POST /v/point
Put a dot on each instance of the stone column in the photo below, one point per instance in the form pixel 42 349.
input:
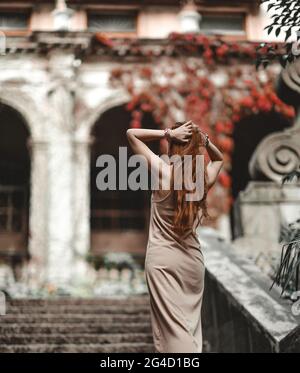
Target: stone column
pixel 60 254
pixel 38 218
pixel 61 209
pixel 81 206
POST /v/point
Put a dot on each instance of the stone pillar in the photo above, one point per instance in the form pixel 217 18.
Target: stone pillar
pixel 61 209
pixel 81 206
pixel 38 218
pixel 60 253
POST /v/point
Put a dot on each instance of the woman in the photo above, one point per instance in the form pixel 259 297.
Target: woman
pixel 174 263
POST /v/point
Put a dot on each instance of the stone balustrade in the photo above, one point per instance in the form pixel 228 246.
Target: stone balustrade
pixel 240 314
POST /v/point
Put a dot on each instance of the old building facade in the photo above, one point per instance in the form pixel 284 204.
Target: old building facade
pixel 57 105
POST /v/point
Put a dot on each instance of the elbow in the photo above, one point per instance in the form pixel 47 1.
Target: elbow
pixel 131 136
pixel 129 133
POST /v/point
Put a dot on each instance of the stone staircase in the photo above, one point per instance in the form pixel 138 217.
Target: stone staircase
pixel 77 325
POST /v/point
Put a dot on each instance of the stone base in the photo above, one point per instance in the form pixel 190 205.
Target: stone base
pixel 263 207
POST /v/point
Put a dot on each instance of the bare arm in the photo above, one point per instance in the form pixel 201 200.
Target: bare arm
pixel 215 164
pixel 145 134
pixel 138 136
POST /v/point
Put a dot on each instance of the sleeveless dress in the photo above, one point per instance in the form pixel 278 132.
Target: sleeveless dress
pixel 174 270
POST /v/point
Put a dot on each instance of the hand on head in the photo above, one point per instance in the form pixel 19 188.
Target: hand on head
pixel 183 133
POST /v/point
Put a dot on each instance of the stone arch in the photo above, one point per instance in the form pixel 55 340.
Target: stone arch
pixel 117 98
pixel 34 121
pixel 14 186
pixel 27 108
pixel 119 217
pixel 82 152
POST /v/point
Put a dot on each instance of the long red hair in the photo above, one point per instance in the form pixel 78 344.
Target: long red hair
pixel 186 213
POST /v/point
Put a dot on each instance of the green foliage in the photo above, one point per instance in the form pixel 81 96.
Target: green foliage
pixel 288 273
pixel 285 20
pixel 292 176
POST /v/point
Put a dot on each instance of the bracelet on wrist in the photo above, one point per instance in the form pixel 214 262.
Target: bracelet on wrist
pixel 168 134
pixel 206 140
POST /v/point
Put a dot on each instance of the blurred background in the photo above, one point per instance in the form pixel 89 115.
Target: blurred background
pixel 74 76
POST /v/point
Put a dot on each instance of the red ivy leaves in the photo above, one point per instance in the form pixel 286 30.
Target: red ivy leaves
pixel 104 40
pixel 262 99
pixel 196 92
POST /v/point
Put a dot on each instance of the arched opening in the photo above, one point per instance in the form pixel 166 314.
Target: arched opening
pixel 119 218
pixel 246 136
pixel 14 185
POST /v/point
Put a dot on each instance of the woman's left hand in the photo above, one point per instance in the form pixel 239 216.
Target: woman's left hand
pixel 183 133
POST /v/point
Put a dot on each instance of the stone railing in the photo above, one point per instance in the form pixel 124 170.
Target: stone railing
pixel 240 314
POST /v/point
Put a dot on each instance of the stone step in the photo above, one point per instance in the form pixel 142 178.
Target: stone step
pixel 91 309
pixel 97 325
pixel 72 318
pixel 69 348
pixel 142 300
pixel 70 328
pixel 83 338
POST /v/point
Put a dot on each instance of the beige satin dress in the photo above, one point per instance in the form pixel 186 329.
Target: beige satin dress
pixel 174 269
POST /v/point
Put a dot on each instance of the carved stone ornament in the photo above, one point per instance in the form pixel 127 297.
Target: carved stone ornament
pixel 279 153
pixel 276 155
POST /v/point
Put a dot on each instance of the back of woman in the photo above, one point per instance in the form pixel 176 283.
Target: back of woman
pixel 174 268
pixel 161 228
pixel 174 264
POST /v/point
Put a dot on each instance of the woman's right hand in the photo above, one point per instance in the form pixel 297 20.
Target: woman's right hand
pixel 183 133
